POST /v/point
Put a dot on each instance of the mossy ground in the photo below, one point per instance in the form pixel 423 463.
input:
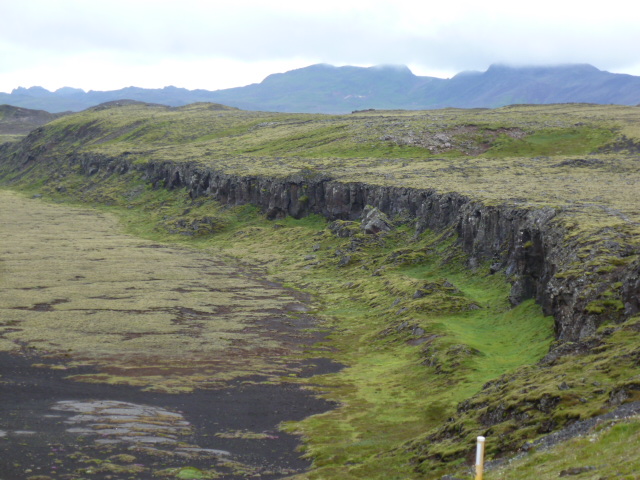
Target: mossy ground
pixel 419 333
pixel 73 284
pixel 578 158
pixel 608 451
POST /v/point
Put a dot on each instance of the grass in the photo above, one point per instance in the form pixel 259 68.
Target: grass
pixel 578 158
pixel 435 354
pixel 393 344
pixel 10 138
pixel 608 451
pixel 569 141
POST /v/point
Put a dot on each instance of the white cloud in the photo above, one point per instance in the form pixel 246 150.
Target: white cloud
pixel 101 44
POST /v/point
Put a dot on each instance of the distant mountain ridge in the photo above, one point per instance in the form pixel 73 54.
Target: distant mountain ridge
pixel 325 88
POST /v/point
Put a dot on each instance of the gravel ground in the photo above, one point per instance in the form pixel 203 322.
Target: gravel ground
pixel 51 427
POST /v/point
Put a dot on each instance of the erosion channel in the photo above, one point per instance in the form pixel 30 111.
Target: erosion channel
pixel 127 358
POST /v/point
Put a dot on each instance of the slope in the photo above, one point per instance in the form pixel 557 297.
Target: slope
pixel 493 218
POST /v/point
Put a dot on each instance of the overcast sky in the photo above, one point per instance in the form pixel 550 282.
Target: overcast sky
pixel 107 45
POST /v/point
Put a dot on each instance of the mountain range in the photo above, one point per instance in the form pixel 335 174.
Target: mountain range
pixel 325 88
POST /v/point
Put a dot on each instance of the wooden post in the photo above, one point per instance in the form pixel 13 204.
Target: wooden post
pixel 480 458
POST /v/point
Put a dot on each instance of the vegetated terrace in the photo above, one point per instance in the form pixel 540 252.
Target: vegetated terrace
pixel 574 156
pixel 579 159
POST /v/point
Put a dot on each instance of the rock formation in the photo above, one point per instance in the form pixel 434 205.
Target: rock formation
pixel 528 244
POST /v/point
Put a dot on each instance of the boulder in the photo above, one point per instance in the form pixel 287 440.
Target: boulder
pixel 374 221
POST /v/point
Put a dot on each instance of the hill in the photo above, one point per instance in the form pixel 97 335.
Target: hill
pixel 327 89
pixel 16 122
pixel 478 271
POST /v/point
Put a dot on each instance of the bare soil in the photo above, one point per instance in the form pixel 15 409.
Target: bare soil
pixel 38 439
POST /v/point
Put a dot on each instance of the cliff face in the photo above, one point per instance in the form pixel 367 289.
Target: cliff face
pixel 530 245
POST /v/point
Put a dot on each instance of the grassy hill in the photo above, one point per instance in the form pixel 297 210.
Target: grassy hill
pixel 436 348
pixel 510 153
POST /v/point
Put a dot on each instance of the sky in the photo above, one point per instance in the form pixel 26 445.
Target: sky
pixel 107 45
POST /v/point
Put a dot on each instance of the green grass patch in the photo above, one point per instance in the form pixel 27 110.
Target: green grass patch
pixel 569 141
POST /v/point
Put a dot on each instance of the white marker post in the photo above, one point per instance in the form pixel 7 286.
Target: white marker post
pixel 480 458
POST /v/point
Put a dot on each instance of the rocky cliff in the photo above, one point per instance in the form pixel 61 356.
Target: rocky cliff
pixel 530 245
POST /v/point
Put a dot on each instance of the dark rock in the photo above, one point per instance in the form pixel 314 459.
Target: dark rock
pixel 374 221
pixel 546 426
pixel 622 393
pixel 494 268
pixel 576 471
pixel 502 412
pixel 343 229
pixel 522 289
pixel 534 250
pixel 571 348
pixel 426 289
pixel 345 260
pixel 527 446
pixel 417 331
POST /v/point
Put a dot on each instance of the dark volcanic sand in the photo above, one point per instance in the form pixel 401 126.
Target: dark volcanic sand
pixel 35 441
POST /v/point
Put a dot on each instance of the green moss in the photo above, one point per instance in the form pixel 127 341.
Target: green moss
pixel 520 406
pixel 73 298
pixel 187 473
pixel 602 306
pixel 435 353
pixel 431 337
pixel 605 452
pixel 559 141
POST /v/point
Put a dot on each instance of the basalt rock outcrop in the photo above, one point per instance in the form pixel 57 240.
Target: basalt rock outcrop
pixel 529 244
